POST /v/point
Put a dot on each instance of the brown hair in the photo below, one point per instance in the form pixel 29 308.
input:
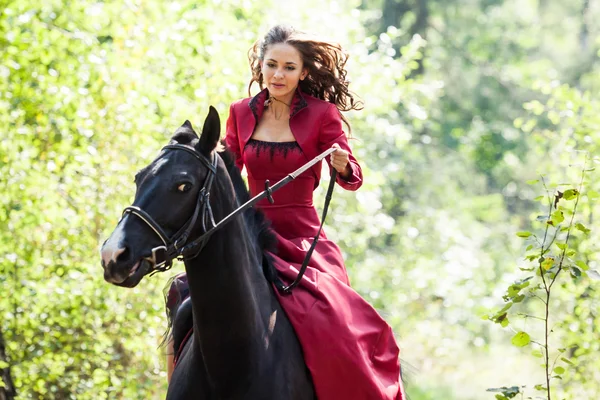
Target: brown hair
pixel 323 60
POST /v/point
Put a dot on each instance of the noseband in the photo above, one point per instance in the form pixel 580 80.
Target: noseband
pixel 162 256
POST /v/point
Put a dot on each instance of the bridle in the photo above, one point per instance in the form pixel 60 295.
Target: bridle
pixel 162 256
pixel 177 246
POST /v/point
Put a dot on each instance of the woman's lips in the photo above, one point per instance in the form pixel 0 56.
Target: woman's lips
pixel 277 85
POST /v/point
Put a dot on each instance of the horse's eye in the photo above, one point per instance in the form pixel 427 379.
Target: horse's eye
pixel 184 187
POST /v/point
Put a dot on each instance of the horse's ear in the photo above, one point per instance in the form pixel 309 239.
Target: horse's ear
pixel 210 132
pixel 185 134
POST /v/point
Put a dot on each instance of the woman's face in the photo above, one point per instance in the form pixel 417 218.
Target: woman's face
pixel 282 70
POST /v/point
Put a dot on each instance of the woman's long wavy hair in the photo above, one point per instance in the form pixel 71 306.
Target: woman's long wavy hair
pixel 324 61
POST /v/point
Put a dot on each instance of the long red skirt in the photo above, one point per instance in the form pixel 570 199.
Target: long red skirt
pixel 348 348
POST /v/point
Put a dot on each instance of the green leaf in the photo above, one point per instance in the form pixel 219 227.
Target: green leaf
pixel 582 265
pixel 547 263
pixel 532 181
pixel 507 392
pixel 559 370
pixel 527 269
pixel 519 298
pixel 505 308
pixel 567 360
pixel 524 234
pixel 537 353
pixel 540 388
pixel 562 246
pixel 557 217
pixel 582 228
pixel 521 339
pixel 593 195
pixel 575 272
pixel 570 194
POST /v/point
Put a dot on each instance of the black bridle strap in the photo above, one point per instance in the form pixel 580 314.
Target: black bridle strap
pixel 211 166
pixel 288 289
pixel 143 215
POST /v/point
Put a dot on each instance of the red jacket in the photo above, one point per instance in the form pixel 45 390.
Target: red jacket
pixel 316 124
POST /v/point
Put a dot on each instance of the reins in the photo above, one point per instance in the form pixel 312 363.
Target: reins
pixel 177 246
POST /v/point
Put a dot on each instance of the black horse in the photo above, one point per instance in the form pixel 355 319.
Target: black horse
pixel 242 346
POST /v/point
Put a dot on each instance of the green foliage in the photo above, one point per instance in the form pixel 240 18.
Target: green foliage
pixel 559 248
pixel 505 393
pixel 465 106
pixel 77 77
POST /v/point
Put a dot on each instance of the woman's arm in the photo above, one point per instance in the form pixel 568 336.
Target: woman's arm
pixel 332 134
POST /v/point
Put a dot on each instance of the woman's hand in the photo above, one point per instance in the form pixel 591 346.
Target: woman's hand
pixel 341 161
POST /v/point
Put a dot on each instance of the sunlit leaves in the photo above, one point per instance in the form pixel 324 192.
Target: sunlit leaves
pixel 92 90
pixel 570 194
pixel 579 226
pixel 88 105
pixel 521 339
pixel 556 218
pixel 505 393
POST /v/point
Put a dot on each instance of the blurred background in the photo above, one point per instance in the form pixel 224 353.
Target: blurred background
pixel 466 103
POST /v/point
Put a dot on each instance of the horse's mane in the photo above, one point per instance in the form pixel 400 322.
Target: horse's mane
pixel 258 225
pixel 259 228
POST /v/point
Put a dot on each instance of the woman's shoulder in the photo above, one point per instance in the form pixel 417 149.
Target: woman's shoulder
pixel 241 102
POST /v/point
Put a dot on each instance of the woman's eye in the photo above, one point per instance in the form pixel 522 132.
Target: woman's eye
pixel 184 187
pixel 290 68
pixel 271 65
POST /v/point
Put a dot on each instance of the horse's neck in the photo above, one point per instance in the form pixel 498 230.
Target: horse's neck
pixel 231 305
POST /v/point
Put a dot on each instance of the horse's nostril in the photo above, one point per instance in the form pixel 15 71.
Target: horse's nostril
pixel 124 255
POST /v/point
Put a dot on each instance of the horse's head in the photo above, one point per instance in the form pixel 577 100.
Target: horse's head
pixel 170 202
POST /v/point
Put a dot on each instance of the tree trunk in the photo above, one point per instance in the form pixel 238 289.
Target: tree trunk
pixel 7 390
pixel 584 33
pixel 420 27
pixel 392 13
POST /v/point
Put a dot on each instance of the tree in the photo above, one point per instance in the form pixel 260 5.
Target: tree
pixel 7 389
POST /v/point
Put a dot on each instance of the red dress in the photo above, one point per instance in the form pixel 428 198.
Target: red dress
pixel 348 348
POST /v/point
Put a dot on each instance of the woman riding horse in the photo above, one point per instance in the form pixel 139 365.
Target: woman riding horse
pixel 348 348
